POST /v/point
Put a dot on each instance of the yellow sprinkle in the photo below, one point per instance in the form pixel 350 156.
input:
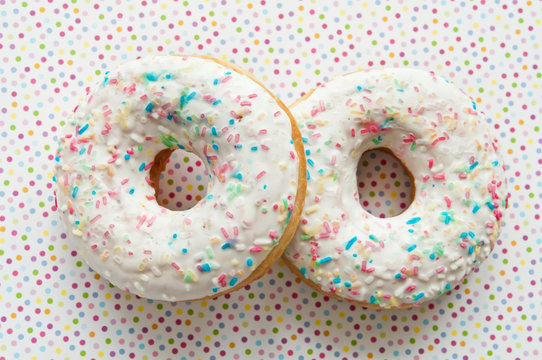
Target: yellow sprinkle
pixel 77 232
pixel 312 209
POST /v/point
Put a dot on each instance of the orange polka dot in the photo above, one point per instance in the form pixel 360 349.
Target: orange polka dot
pixel 181 22
pixel 294 337
pixel 47 311
pixel 369 355
pixel 14 104
pixel 326 333
pixel 385 18
pixel 518 31
pixel 513 242
pixel 30 132
pixel 154 326
pixel 478 100
pixel 502 273
pixel 42 9
pixel 96 277
pixel 91 334
pixel 392 54
pixel 213 23
pixel 13 315
pixel 119 28
pixel 462 343
pixel 509 309
pixel 249 6
pixel 188 322
pixel 53 258
pixel 25 189
pixel 467 291
pixel 18 257
pixel 165 201
pixel 232 345
pixel 435 21
pixel 256 42
pixel 301 7
pixel 451 48
pixel 76 11
pixel 36 66
pixel 70 62
pixel 2 228
pixel 316 36
pixel 430 348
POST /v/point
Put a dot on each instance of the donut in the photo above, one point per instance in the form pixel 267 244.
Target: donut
pixel 459 192
pixel 118 141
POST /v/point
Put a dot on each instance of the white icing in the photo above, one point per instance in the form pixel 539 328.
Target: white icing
pixel 394 109
pixel 238 130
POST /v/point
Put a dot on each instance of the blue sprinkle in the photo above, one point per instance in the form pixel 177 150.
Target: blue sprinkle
pixel 311 162
pixel 231 122
pixel 473 105
pixel 305 140
pixel 169 116
pixel 372 299
pixel 413 220
pixel 308 175
pixel 347 284
pixel 303 271
pixel 254 148
pixel 233 281
pixel 83 129
pixel 432 256
pixel 475 164
pixel 205 267
pixel 326 260
pixel 239 176
pixel 210 196
pixel 398 276
pixel 411 247
pixel 307 152
pixel 217 102
pixel 495 163
pixel 152 76
pixel 490 205
pixel 476 208
pixel 226 246
pixel 411 231
pixel 418 297
pixel 184 251
pixel 213 131
pixel 215 146
pixel 169 76
pixel 249 262
pixel 148 108
pixel 132 191
pixel 359 88
pixel 447 287
pixel 463 235
pixel 215 290
pixel 216 81
pixel 350 243
pixel 142 167
pixel 336 280
pixel 82 151
pixel 471 234
pixel 74 192
pixel 471 250
pixel 126 156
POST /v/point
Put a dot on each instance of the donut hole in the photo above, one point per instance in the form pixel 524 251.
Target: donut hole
pixel 385 187
pixel 183 182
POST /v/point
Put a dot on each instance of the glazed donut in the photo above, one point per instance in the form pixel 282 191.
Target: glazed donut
pixel 116 144
pixel 458 199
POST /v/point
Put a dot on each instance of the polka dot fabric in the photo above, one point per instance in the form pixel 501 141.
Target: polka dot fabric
pixel 55 307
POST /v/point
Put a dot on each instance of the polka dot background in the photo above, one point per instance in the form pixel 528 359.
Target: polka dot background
pixel 55 307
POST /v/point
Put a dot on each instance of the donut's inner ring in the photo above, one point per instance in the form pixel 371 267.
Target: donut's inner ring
pixel 159 166
pixel 409 200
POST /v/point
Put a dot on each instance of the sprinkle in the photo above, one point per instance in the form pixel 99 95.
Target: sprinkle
pixel 204 267
pixel 411 287
pixel 142 167
pixel 411 247
pixel 149 107
pixel 490 205
pixel 325 260
pixel 124 181
pixel 217 102
pixel 413 220
pixel 448 201
pixel 418 297
pixel 255 249
pixel 440 269
pixel 475 164
pixel 83 129
pixel 440 176
pixel 476 208
pixel 74 192
pixel 260 175
pixel 350 243
pixel 96 218
pixel 233 281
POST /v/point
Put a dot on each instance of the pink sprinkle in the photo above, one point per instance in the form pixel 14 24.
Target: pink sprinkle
pixel 440 176
pixel 148 180
pixel 252 96
pixel 104 200
pixel 314 112
pixel 348 102
pixel 96 218
pixel 141 221
pixel 237 136
pixel 370 270
pixel 467 195
pixel 229 214
pixel 151 221
pixel 415 269
pixel 260 175
pixel 187 221
pixel 147 252
pixel 411 287
pixel 425 178
pixel 411 138
pixel 235 231
pixel 143 97
pixel 333 160
pixel 439 269
pixel 264 147
pixel 403 270
pixel 225 233
pixel 273 234
pixel 462 175
pixel 112 193
pixel 108 112
pixel 230 138
pixel 324 235
pixel 203 131
pixel 448 201
pixel 355 292
pixel 327 227
pixel 364 265
pixel 321 106
pixel 255 249
pixel 387 296
pixel 66 179
pixel 124 181
pixel 175 266
pixel 275 207
pixel 277 114
pixel 316 199
pixel 224 130
pixel 226 79
pixel 235 115
pixel 245 103
pixel 353 132
pixel 430 161
pixel 97 204
pixel 221 278
pixel 262 132
pixel 89 149
pixel 463 245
